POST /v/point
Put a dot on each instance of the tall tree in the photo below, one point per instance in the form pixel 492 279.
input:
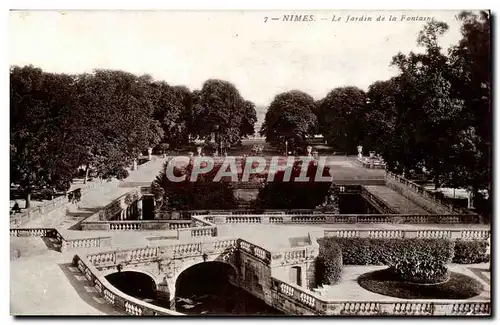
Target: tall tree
pixel 341 116
pixel 220 113
pixel 290 118
pixel 115 120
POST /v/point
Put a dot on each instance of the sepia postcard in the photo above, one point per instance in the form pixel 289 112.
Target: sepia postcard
pixel 243 163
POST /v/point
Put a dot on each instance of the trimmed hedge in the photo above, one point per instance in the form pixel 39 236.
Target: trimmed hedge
pixel 471 251
pixel 328 263
pixel 418 260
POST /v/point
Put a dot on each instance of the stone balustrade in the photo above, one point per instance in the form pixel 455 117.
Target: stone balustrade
pixel 254 250
pixel 463 234
pixel 426 194
pixel 66 243
pixel 292 256
pixel 78 243
pixel 305 302
pixel 200 228
pixel 33 232
pixel 378 202
pixel 116 298
pixel 113 209
pixel 122 225
pixel 326 218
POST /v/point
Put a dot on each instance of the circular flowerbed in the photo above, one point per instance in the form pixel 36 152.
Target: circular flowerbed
pixel 386 282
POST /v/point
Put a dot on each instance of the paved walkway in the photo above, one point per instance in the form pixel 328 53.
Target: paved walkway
pixel 49 285
pixel 395 200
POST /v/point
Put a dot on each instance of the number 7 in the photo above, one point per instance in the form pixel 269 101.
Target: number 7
pixel 265 19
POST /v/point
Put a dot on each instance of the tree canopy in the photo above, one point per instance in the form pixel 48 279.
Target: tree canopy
pixel 291 118
pixel 105 119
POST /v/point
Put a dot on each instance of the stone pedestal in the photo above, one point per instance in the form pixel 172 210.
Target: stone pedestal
pixel 134 165
pixel 150 152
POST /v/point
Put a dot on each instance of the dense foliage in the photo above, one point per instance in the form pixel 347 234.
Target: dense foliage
pixel 106 119
pixel 293 194
pixel 204 193
pixel 434 116
pixel 328 263
pixel 417 260
pixel 290 118
pixel 471 251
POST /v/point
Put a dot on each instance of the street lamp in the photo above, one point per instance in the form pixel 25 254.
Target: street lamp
pixel 286 148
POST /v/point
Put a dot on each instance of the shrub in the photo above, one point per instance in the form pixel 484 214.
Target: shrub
pixel 469 252
pixel 329 263
pixel 413 259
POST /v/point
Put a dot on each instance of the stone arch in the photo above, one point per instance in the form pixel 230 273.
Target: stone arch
pixel 156 277
pixel 136 283
pixel 233 273
pixel 187 266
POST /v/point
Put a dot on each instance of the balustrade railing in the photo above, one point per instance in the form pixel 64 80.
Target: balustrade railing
pixel 326 218
pixel 77 243
pixel 116 298
pixel 311 303
pixel 33 232
pixel 65 242
pixel 381 204
pixel 427 194
pixel 257 251
pixel 464 234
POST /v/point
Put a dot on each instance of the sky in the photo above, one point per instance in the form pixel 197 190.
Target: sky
pixel 262 58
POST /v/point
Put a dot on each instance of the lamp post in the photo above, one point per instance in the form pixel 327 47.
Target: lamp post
pixel 286 148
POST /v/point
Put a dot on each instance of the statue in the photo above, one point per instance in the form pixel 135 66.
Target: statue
pixel 331 204
pixel 309 150
pixel 360 152
pixel 198 151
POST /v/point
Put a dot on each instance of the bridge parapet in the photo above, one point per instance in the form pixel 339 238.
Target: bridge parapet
pixel 115 297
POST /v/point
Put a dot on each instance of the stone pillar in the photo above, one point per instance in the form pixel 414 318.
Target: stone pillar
pixel 163 294
pixel 134 165
pixel 172 299
pixel 150 152
pixel 139 209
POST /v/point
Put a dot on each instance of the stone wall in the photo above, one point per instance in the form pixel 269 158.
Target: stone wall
pixel 255 277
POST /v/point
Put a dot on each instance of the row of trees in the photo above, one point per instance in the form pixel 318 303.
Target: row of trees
pixel 435 114
pixel 105 119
